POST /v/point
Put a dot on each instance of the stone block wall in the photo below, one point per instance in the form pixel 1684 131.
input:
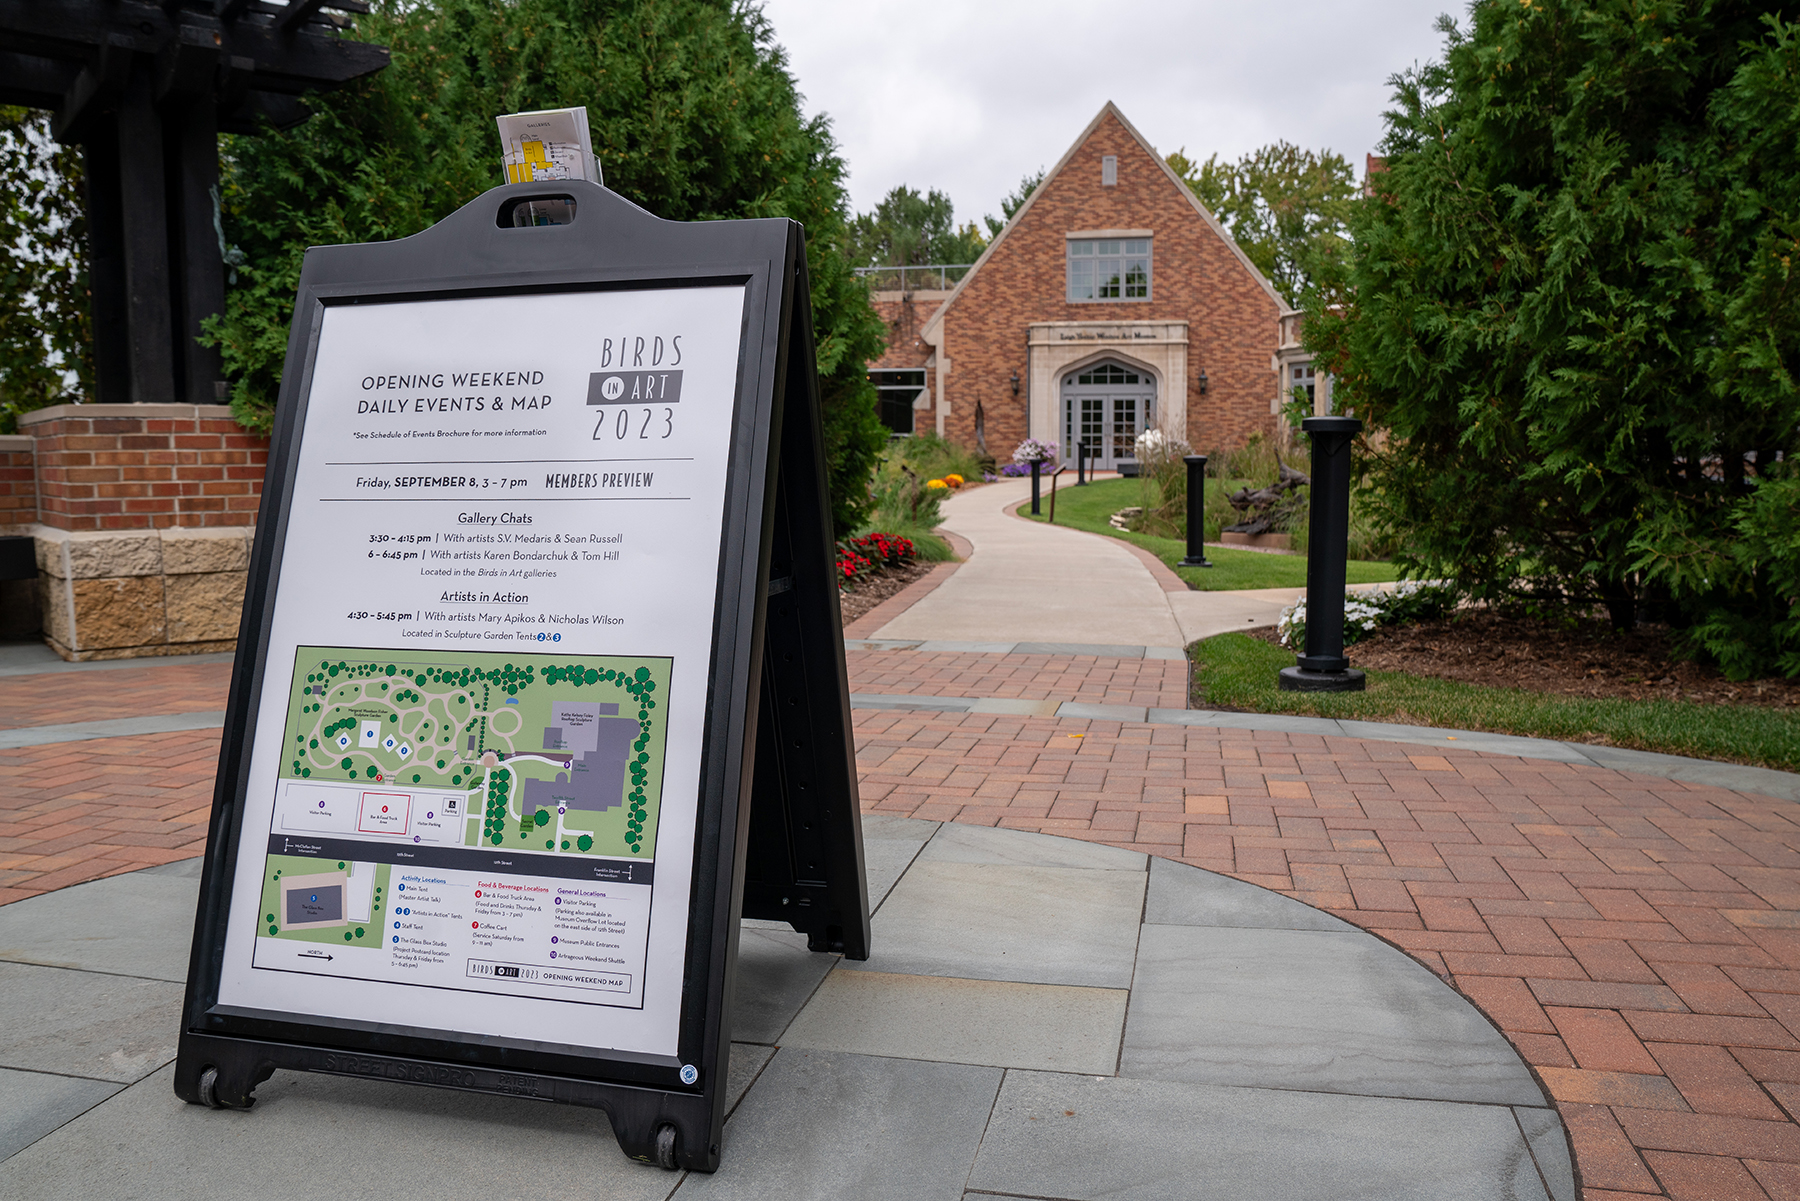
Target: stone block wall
pixel 143 517
pixel 147 592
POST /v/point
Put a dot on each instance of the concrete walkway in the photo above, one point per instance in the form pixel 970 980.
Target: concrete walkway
pixel 1109 1026
pixel 1036 583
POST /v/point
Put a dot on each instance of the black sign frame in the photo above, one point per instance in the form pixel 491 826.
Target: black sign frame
pixel 777 712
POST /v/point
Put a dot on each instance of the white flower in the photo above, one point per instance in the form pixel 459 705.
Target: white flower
pixel 1153 447
pixel 1292 625
pixel 1363 611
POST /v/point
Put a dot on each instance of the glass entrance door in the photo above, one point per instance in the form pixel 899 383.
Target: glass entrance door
pixel 1105 408
pixel 1125 429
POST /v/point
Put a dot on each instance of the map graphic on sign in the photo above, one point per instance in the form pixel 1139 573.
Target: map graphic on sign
pixel 558 754
pixel 545 754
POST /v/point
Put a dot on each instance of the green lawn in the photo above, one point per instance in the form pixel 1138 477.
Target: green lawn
pixel 1087 508
pixel 1234 671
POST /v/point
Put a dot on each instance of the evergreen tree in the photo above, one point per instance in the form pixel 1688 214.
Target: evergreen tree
pixel 1571 309
pixel 44 321
pixel 694 115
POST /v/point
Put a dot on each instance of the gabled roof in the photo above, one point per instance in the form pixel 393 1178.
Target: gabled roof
pixel 935 322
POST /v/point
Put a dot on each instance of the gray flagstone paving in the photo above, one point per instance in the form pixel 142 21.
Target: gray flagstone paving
pixel 1042 1018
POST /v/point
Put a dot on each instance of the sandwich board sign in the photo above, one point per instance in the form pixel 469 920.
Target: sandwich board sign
pixel 540 684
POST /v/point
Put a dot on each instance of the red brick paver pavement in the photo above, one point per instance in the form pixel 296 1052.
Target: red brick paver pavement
pixel 75 811
pixel 1638 939
pixel 1162 683
pixel 168 686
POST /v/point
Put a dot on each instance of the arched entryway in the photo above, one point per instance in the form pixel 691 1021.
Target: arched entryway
pixel 1105 406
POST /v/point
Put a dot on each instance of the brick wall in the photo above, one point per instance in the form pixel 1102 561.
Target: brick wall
pixel 1195 276
pixel 144 467
pixel 18 483
pixel 905 314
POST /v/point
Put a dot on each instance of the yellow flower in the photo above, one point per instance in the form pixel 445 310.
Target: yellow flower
pixel 954 480
pixel 936 485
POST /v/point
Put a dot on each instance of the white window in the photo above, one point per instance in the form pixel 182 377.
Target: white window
pixel 1109 269
pixel 1303 383
pixel 1109 170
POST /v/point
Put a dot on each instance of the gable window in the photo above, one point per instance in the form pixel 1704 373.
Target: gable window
pixel 1109 269
pixel 1109 170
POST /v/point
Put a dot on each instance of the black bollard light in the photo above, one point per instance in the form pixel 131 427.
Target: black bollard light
pixel 1035 465
pixel 1323 667
pixel 1196 506
pixel 1081 462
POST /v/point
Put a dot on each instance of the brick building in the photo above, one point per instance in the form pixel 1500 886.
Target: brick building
pixel 1111 302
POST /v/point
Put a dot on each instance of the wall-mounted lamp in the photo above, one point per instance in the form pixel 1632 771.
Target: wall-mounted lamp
pixel 1015 383
pixel 1201 381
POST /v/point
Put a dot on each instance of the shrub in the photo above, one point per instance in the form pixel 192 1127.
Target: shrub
pixel 850 565
pixel 1570 312
pixel 1162 484
pixel 932 456
pixel 887 550
pixel 1406 602
pixel 901 498
pixel 862 556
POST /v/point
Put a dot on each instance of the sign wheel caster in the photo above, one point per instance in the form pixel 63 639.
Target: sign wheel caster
pixel 665 1146
pixel 208 1088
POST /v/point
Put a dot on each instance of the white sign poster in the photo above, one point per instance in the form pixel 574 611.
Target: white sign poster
pixel 476 769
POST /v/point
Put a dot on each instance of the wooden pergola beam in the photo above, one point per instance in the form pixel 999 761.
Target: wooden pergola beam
pixel 145 86
pixel 297 13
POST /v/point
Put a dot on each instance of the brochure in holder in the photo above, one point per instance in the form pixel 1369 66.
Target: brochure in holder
pixel 540 684
pixel 549 145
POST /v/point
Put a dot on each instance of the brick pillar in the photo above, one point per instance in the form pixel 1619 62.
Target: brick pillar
pixel 143 525
pixel 18 483
pixel 19 605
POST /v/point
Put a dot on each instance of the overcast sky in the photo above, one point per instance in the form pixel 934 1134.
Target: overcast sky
pixel 967 97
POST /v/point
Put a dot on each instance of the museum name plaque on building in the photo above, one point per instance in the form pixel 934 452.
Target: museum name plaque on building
pixel 542 685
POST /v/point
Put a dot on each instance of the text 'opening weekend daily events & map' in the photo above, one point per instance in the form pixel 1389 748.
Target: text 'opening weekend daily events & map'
pixel 475 772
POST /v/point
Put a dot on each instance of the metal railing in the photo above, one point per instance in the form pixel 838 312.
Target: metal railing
pixel 935 276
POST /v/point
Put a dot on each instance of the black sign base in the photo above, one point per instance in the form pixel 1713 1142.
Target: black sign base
pixel 222 1073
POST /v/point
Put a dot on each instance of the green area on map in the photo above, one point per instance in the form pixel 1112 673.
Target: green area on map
pixel 328 902
pixel 556 753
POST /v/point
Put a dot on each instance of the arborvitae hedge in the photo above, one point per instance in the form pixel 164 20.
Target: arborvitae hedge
pixel 1572 311
pixel 694 116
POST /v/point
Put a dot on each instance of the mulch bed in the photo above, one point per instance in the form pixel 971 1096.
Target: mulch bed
pixel 1586 659
pixel 871 590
